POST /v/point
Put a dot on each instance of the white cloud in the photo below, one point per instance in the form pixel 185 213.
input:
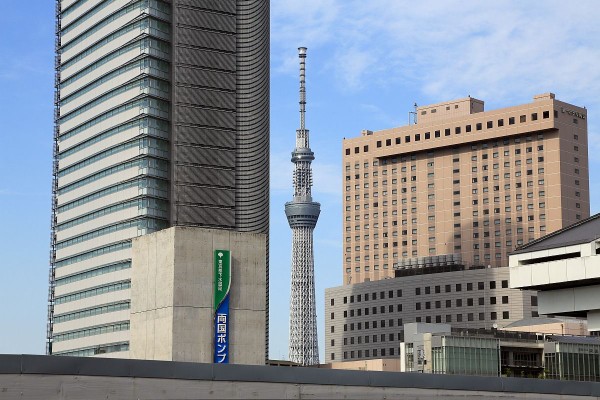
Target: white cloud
pixel 300 23
pixel 449 46
pixel 503 51
pixel 351 65
pixel 377 114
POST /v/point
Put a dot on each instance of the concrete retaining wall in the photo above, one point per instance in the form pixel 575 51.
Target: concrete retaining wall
pixel 49 378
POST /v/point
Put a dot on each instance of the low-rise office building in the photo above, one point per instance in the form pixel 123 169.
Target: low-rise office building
pixel 431 348
pixel 440 349
pixel 365 321
pixel 572 358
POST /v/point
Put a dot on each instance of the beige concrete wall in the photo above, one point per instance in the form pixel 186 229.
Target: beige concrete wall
pixel 380 364
pixel 560 327
pixel 449 109
pixel 172 295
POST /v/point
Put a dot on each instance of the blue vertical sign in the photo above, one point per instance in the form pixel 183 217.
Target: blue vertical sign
pixel 222 262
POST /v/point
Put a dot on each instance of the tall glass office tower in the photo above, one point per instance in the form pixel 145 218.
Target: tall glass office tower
pixel 162 119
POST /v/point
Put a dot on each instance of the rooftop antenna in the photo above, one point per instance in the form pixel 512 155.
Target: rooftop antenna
pixel 413 114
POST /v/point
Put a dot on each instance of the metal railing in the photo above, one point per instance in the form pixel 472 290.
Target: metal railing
pixel 53 220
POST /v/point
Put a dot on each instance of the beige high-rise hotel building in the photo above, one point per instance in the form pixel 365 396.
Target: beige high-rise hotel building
pixel 439 204
pixel 462 182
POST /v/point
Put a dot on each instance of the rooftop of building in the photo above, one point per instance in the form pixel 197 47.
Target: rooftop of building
pixel 467 108
pixel 542 321
pixel 500 334
pixel 584 231
pixel 574 339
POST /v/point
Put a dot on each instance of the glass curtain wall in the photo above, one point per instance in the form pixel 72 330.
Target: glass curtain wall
pixel 467 356
pixel 573 362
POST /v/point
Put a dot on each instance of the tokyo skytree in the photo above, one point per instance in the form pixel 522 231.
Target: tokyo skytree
pixel 302 214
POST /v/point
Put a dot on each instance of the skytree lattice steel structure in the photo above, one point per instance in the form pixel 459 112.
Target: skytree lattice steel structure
pixel 302 214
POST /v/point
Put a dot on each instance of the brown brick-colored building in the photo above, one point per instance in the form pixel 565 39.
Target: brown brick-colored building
pixel 462 181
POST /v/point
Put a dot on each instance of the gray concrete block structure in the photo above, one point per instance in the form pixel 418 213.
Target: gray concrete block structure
pixel 172 302
pixel 161 120
pixel 365 321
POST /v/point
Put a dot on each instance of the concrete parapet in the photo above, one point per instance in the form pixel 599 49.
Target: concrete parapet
pixel 57 378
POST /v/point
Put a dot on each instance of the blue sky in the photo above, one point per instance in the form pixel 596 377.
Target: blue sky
pixel 368 62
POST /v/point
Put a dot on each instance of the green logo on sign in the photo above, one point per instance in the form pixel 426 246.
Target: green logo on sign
pixel 222 275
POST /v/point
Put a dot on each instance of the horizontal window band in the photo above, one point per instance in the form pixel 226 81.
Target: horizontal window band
pixel 147 126
pixel 93 272
pixel 142 162
pixel 143 143
pixel 148 67
pixel 143 101
pixel 143 43
pixel 95 350
pixel 90 312
pixel 142 83
pixel 92 331
pixel 155 185
pixel 93 253
pixel 138 222
pixel 84 294
pixel 140 202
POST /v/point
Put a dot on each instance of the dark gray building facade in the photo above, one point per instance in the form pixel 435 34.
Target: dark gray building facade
pixel 220 120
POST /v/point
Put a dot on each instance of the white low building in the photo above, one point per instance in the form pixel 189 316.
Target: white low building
pixel 564 266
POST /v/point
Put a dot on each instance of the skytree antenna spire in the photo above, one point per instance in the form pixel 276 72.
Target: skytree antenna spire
pixel 302 214
pixel 302 55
